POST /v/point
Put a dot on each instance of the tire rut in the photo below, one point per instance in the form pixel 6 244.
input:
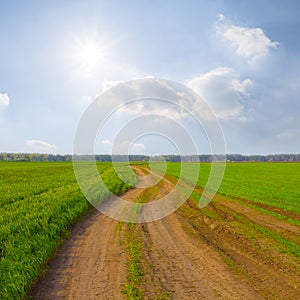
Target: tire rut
pixel 189 269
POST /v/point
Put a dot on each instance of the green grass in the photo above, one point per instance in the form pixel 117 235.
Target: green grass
pixel 38 203
pixel 135 245
pixel 275 184
pixel 133 265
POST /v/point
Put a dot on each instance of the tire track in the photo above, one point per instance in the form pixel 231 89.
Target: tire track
pixel 185 267
pixel 189 269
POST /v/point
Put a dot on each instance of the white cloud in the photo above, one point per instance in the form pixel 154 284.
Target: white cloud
pixel 137 148
pixel 39 146
pixel 104 146
pixel 249 43
pixel 107 84
pixel 4 100
pixel 221 17
pixel 123 147
pixel 106 142
pixel 154 107
pixel 286 135
pixel 223 89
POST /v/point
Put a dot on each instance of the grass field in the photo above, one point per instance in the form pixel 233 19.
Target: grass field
pixel 274 184
pixel 39 202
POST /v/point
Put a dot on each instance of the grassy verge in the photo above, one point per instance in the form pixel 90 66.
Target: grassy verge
pixel 134 244
pixel 132 289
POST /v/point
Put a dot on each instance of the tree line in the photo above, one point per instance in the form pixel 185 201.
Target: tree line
pixel 4 156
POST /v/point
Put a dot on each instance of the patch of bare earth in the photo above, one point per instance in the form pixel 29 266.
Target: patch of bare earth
pixel 257 258
pixel 89 265
pixel 189 269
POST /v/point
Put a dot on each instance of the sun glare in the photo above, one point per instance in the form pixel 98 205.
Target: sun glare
pixel 88 55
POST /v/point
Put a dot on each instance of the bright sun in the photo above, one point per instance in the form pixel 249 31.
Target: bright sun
pixel 88 55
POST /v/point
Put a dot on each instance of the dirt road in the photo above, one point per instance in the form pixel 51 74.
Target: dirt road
pixel 185 256
pixel 189 269
pixel 89 265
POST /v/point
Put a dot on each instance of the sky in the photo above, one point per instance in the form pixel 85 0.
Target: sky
pixel 241 57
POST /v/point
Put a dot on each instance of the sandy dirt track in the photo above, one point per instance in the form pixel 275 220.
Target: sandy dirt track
pixel 89 265
pixel 189 269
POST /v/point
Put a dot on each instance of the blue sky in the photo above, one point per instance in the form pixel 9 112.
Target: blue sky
pixel 242 57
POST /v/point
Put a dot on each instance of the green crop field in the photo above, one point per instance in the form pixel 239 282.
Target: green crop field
pixel 38 203
pixel 274 184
